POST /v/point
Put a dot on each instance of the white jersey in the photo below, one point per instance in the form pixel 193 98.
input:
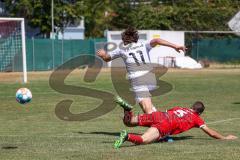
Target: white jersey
pixel 138 64
pixel 135 56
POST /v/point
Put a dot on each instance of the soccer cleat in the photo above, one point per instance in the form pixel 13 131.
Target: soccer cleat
pixel 121 139
pixel 125 105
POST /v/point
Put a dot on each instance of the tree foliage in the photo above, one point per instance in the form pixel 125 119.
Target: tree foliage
pixel 183 15
pixel 38 13
pixel 100 15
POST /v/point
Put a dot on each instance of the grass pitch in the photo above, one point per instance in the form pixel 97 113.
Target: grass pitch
pixel 33 131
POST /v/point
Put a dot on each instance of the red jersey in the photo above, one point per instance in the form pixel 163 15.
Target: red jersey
pixel 183 119
pixel 174 121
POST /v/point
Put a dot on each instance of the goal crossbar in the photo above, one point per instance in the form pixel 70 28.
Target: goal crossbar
pixel 11 19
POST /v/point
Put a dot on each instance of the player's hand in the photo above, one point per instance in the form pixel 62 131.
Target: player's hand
pixel 231 137
pixel 101 53
pixel 180 48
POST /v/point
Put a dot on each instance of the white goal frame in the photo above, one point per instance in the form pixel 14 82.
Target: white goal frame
pixel 23 38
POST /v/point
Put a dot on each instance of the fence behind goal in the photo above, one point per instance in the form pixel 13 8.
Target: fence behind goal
pixel 214 46
pixel 48 54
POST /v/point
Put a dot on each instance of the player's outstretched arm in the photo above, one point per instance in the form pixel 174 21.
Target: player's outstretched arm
pixel 158 41
pixel 216 135
pixel 103 54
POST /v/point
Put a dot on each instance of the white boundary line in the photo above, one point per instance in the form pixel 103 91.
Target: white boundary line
pixel 225 120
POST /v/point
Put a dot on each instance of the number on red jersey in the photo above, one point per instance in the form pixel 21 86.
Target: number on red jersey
pixel 180 113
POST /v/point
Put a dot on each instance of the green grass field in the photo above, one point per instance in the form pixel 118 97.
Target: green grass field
pixel 33 131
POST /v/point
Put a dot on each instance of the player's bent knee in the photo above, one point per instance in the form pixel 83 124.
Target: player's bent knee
pixel 128 123
pixel 130 120
pixel 127 120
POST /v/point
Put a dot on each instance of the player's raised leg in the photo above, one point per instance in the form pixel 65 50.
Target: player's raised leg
pixel 146 105
pixel 129 119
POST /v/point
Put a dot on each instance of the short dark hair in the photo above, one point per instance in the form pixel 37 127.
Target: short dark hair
pixel 198 107
pixel 130 35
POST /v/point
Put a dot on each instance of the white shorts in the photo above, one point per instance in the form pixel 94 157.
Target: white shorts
pixel 142 92
pixel 143 84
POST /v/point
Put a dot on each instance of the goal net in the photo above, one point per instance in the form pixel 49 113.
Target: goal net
pixel 12 46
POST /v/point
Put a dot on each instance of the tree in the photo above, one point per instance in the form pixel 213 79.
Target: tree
pixel 179 15
pixel 100 15
pixel 38 13
pixel 97 17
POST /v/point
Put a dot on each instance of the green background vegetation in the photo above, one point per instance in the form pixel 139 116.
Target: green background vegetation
pixel 118 14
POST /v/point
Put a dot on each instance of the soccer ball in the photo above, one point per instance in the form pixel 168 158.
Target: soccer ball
pixel 23 95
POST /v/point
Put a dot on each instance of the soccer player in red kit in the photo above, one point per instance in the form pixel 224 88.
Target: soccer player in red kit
pixel 162 124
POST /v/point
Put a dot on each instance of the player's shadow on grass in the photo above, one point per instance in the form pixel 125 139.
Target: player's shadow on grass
pixel 174 139
pixel 102 133
pixel 182 138
pixel 116 134
pixel 9 147
pixel 236 103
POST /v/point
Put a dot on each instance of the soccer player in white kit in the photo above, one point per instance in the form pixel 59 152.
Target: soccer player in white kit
pixel 137 60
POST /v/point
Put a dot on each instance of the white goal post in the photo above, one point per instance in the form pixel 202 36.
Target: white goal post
pixel 12 42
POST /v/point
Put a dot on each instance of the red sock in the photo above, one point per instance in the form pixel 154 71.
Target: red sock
pixel 137 139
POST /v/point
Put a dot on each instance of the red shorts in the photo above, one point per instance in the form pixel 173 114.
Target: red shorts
pixel 158 120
